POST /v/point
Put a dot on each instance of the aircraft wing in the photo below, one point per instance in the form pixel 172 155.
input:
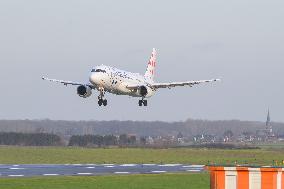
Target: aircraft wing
pixel 177 84
pixel 67 82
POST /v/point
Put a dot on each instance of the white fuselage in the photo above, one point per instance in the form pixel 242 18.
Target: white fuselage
pixel 118 81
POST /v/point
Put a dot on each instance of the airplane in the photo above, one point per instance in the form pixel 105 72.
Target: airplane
pixel 112 80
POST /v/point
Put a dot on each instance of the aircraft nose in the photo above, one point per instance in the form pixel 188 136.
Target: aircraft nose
pixel 94 79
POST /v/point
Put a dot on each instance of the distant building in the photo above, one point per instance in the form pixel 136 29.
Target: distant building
pixel 149 140
pixel 267 134
pixel 203 138
pixel 180 138
pixel 268 125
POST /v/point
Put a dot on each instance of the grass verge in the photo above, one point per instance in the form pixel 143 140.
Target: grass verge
pixel 166 181
pixel 65 155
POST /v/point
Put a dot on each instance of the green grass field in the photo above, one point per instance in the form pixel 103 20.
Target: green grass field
pixel 272 146
pixel 167 181
pixel 63 155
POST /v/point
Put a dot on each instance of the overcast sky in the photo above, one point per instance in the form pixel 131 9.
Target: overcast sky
pixel 241 41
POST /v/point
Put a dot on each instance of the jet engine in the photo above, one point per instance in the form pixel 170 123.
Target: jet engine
pixel 84 91
pixel 145 91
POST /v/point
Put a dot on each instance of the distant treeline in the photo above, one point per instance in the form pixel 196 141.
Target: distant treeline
pixel 99 140
pixel 44 139
pixel 188 128
pixel 25 139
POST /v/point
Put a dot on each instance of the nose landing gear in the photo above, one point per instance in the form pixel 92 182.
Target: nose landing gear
pixel 143 102
pixel 102 101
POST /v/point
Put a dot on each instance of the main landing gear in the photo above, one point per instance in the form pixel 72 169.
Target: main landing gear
pixel 143 102
pixel 102 101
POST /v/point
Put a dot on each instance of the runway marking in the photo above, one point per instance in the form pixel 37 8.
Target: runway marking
pixel 109 166
pixel 169 165
pixel 77 164
pixel 149 164
pixel 50 174
pixel 159 171
pixel 195 166
pixel 193 170
pixel 16 168
pixel 121 172
pixel 15 175
pixel 128 165
pixel 84 173
pixel 15 165
pixel 90 167
pixel 187 166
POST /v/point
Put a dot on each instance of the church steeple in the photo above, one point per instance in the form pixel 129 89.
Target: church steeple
pixel 268 118
pixel 268 124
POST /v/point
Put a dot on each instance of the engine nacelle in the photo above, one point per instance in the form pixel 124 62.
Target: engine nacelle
pixel 84 91
pixel 145 91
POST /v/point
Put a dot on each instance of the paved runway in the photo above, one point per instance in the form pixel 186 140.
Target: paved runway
pixel 94 169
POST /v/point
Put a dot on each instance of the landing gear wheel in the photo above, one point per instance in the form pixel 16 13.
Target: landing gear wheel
pixel 105 102
pixel 145 102
pixel 100 102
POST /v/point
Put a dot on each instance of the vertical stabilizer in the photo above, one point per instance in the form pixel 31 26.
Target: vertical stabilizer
pixel 150 72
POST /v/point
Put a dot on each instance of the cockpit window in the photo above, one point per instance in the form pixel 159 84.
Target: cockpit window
pixel 98 70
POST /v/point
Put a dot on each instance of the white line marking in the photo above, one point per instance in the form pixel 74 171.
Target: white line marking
pixel 16 165
pixel 16 168
pixel 109 166
pixel 121 172
pixel 128 165
pixel 50 174
pixel 193 170
pixel 15 175
pixel 84 173
pixel 90 167
pixel 159 171
pixel 77 164
pixel 198 166
pixel 149 164
pixel 186 166
pixel 169 165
